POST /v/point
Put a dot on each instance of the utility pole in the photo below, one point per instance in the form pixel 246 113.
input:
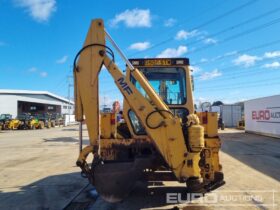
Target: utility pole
pixel 69 99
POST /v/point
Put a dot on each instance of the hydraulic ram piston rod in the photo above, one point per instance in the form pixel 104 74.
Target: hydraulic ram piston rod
pixel 130 66
pixel 80 136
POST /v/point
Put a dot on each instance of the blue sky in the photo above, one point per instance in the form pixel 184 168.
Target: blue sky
pixel 233 46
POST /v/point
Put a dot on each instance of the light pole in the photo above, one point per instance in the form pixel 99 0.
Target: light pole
pixel 69 101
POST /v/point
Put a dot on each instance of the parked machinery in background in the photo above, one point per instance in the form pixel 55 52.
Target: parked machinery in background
pixel 26 121
pixel 4 121
pixel 14 124
pixel 57 120
pixel 44 118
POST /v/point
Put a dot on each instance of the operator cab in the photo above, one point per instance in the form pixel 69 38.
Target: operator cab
pixel 171 80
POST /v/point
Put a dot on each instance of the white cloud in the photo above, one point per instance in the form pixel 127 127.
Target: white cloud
pixel 273 65
pixel 133 18
pixel 235 92
pixel 140 46
pixel 169 22
pixel 183 35
pixel 43 74
pixel 195 69
pixel 173 52
pixel 230 53
pixel 37 71
pixel 203 60
pixel 246 60
pixel 273 54
pixel 210 41
pixel 62 59
pixel 103 68
pixel 40 10
pixel 210 75
pixel 200 100
pixel 32 69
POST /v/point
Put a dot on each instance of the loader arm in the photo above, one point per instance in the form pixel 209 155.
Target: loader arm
pixel 162 127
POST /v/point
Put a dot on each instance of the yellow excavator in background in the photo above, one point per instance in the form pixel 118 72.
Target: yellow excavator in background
pixel 160 133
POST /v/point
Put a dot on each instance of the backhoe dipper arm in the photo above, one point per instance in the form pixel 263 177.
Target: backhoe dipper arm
pixel 160 124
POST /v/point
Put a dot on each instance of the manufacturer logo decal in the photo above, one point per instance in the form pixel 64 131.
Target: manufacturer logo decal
pixel 124 85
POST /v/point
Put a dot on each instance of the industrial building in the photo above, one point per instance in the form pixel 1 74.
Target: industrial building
pixel 15 102
pixel 262 116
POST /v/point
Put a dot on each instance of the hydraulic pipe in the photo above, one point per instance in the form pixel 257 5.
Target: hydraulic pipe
pixel 80 136
pixel 130 66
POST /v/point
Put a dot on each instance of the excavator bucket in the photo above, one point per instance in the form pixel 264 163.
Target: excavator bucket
pixel 114 181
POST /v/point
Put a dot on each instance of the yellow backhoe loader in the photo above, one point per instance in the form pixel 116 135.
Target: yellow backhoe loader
pixel 14 124
pixel 160 134
pixel 25 121
pixel 5 120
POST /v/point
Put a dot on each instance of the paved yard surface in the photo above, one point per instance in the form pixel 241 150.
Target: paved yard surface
pixel 37 170
pixel 251 165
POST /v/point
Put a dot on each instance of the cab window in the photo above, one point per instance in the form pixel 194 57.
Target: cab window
pixel 168 82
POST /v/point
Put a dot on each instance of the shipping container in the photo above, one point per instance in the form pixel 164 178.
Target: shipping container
pixel 231 114
pixel 262 116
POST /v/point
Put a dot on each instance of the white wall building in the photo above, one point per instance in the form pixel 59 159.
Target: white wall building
pixel 15 102
pixel 262 116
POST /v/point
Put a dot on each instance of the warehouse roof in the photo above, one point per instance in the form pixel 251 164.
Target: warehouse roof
pixel 253 99
pixel 32 92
